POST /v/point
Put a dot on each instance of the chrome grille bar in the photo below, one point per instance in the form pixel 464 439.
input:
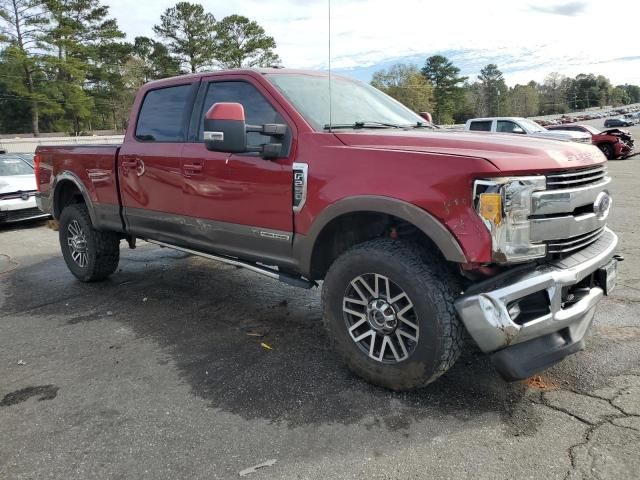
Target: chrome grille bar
pixel 577 177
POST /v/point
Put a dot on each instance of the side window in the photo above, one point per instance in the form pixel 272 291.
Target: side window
pixel 507 126
pixel 257 109
pixel 162 114
pixel 483 126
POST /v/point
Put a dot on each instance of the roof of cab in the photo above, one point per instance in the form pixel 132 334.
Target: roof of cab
pixel 235 71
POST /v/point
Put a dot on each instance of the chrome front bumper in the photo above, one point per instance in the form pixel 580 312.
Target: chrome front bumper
pixel 484 308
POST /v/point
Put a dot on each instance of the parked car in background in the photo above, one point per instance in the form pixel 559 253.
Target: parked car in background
pixel 617 122
pixel 523 126
pixel 17 190
pixel 614 143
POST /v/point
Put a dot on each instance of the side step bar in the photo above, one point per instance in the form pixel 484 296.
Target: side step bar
pixel 254 267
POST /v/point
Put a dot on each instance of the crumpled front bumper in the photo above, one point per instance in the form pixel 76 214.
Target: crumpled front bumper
pixel 522 347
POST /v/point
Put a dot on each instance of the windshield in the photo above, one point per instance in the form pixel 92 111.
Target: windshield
pixel 352 102
pixel 531 126
pixel 591 130
pixel 10 166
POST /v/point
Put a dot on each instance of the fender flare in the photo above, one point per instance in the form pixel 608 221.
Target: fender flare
pixel 445 241
pixel 61 179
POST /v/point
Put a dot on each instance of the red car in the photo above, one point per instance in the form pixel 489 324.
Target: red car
pixel 416 233
pixel 613 142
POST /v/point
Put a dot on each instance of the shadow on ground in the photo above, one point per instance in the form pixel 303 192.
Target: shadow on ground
pixel 210 321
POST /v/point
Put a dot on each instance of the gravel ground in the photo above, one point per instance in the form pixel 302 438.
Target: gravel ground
pixel 156 374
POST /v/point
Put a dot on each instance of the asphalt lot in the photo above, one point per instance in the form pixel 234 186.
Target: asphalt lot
pixel 152 374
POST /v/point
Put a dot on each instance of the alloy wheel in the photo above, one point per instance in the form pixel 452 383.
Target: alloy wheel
pixel 77 242
pixel 380 318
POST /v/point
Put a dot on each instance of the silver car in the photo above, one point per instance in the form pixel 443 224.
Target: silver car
pixel 17 189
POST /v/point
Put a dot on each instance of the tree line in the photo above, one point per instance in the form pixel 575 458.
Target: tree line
pixel 438 87
pixel 65 65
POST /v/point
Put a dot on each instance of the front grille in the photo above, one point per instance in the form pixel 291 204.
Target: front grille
pixel 574 243
pixel 14 195
pixel 576 178
pixel 17 215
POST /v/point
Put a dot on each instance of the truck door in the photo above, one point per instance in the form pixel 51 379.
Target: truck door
pixel 150 173
pixel 239 204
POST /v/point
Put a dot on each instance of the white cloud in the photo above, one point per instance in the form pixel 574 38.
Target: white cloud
pixel 565 36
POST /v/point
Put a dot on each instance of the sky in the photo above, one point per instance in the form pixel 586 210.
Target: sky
pixel 526 39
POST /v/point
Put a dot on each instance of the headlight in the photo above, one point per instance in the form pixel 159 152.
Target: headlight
pixel 504 205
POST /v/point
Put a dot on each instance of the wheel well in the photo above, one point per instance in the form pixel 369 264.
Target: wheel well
pixel 66 194
pixel 350 229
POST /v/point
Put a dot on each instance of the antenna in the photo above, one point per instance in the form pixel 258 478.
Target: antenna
pixel 330 98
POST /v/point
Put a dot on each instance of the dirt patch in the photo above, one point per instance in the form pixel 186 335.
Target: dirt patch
pixel 539 382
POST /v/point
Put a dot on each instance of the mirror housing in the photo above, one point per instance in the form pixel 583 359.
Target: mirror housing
pixel 427 116
pixel 518 130
pixel 225 130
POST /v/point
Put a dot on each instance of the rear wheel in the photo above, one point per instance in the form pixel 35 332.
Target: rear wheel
pixel 91 255
pixel 389 313
pixel 607 149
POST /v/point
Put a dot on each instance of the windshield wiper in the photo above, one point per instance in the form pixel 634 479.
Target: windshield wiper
pixel 357 125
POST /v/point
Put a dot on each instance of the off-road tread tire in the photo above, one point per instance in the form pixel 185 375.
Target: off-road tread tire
pixel 434 278
pixel 103 247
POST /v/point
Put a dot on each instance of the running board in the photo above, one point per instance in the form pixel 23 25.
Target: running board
pixel 254 267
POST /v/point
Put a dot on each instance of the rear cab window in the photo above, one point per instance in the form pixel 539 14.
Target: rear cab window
pixel 481 126
pixel 163 113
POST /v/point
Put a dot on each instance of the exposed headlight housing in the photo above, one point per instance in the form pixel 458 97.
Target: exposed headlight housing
pixel 504 205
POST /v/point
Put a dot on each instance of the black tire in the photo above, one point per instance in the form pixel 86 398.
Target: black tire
pixel 607 149
pixel 431 289
pixel 101 249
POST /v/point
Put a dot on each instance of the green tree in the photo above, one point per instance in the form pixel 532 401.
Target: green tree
pixel 155 59
pixel 406 84
pixel 554 96
pixel 243 43
pixel 493 90
pixel 22 26
pixel 87 58
pixel 447 92
pixel 634 93
pixel 190 34
pixel 523 101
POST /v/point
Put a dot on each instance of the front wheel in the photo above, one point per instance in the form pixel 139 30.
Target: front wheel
pixel 90 254
pixel 390 314
pixel 607 149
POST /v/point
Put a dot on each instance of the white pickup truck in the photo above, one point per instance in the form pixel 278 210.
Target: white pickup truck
pixel 523 126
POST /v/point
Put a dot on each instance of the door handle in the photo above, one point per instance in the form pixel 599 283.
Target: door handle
pixel 135 164
pixel 130 163
pixel 193 167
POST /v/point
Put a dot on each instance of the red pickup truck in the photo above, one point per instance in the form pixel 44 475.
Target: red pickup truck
pixel 418 234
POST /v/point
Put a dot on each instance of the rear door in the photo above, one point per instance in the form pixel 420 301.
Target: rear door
pixel 150 172
pixel 239 204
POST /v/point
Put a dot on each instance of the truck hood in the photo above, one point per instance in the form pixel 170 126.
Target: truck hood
pixel 509 153
pixel 17 183
pixel 562 135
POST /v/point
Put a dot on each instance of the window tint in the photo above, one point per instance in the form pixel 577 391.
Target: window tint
pixel 484 126
pixel 506 126
pixel 257 109
pixel 161 117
